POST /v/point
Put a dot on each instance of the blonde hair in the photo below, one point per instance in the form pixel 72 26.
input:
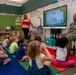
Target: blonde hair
pixel 33 50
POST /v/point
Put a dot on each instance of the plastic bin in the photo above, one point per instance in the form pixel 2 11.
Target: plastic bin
pixel 50 41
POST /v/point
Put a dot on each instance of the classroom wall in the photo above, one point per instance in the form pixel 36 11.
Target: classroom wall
pixel 10 9
pixel 7 9
pixel 34 4
pixel 8 21
pixel 71 9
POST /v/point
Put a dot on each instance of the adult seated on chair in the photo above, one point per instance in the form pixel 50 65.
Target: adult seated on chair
pixel 72 32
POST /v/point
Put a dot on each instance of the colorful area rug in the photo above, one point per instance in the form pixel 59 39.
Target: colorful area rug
pixel 25 64
pixel 12 68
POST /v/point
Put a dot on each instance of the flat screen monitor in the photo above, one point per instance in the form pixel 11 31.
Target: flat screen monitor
pixel 56 17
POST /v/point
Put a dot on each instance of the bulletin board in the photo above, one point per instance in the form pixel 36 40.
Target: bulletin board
pixel 9 20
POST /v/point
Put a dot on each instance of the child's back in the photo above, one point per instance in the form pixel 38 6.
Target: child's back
pixel 36 60
pixel 13 47
pixel 61 54
pixel 21 53
pixel 39 61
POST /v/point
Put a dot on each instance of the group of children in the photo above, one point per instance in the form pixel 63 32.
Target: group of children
pixel 31 48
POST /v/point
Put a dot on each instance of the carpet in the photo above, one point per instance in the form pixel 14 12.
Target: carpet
pixel 12 68
pixel 25 65
pixel 52 51
pixel 72 58
pixel 55 70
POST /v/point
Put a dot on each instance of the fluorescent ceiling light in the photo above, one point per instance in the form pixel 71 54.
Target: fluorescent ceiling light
pixel 19 1
pixel 13 2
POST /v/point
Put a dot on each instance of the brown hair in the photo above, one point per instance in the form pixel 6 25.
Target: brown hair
pixel 34 50
pixel 14 38
pixel 38 38
pixel 6 36
pixel 25 16
pixel 29 36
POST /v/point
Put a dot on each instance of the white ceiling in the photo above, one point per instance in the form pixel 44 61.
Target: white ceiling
pixel 13 2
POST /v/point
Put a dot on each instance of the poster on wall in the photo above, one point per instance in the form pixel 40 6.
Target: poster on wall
pixel 18 20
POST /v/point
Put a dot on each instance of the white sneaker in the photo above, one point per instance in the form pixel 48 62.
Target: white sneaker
pixel 6 61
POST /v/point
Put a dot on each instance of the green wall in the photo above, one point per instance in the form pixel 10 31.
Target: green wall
pixel 10 9
pixel 34 4
pixel 8 20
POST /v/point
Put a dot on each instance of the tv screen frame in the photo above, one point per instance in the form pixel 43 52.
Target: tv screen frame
pixel 55 26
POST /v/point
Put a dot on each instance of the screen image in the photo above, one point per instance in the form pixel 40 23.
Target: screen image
pixel 56 17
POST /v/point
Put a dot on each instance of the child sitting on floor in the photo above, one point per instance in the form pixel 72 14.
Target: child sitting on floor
pixel 36 59
pixel 38 38
pixel 3 56
pixel 18 35
pixel 61 54
pixel 30 38
pixel 21 53
pixel 5 42
pixel 14 46
pixel 10 41
pixel 13 34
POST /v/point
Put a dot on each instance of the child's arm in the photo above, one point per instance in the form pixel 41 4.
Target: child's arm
pixel 1 49
pixel 25 49
pixel 48 55
pixel 16 46
pixel 4 56
pixel 25 53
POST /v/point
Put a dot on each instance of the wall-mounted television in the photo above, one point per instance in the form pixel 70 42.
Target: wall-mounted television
pixel 56 17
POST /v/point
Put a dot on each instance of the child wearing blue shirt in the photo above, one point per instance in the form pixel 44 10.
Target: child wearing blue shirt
pixel 21 53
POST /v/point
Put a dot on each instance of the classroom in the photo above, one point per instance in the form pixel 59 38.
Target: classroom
pixel 37 37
